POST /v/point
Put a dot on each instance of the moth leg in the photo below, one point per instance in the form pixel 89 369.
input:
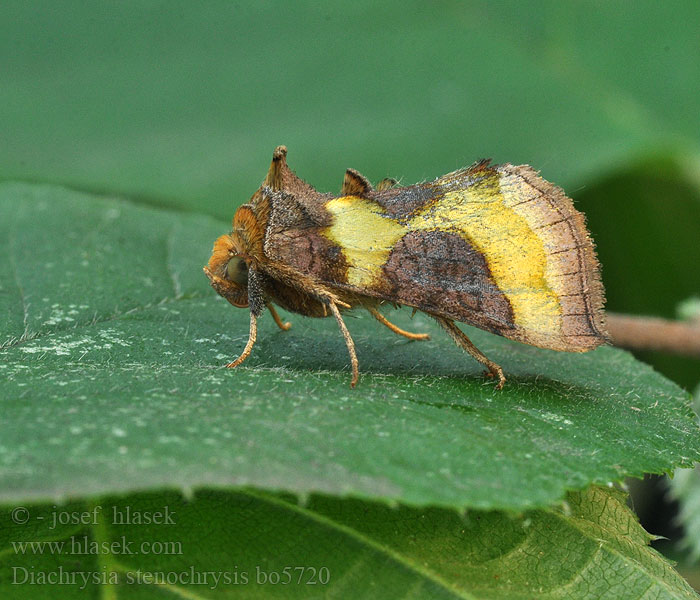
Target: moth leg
pixel 384 321
pixel 276 317
pixel 348 342
pixel 256 301
pixel 251 342
pixel 460 338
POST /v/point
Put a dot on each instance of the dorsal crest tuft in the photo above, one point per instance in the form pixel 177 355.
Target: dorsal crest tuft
pixel 355 184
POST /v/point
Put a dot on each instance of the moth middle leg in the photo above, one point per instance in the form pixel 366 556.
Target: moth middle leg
pixel 275 315
pixel 461 339
pixel 348 342
pixel 384 321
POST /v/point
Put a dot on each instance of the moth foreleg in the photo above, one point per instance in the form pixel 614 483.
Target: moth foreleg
pixel 348 342
pixel 283 326
pixel 460 338
pixel 257 303
pixel 252 335
pixel 384 321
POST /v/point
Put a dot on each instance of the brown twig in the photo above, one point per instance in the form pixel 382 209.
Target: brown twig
pixel 652 333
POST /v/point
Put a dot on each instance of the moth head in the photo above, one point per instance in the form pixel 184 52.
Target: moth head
pixel 228 271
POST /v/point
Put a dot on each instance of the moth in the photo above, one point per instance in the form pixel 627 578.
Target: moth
pixel 493 246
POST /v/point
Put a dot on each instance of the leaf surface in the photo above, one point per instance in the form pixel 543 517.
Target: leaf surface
pixel 685 487
pixel 112 381
pixel 238 544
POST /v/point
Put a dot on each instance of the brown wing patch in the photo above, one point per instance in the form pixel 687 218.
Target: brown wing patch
pixel 440 272
pixel 402 202
pixel 293 237
pixel 399 203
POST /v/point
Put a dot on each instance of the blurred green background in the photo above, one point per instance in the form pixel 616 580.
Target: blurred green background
pixel 180 104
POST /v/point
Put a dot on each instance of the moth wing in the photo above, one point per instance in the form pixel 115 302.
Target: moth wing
pixel 537 250
pixel 569 272
pixel 434 269
pixel 294 236
pixel 496 247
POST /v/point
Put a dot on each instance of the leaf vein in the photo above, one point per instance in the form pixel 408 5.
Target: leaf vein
pixel 359 537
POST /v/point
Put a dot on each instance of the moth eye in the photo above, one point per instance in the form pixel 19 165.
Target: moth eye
pixel 237 271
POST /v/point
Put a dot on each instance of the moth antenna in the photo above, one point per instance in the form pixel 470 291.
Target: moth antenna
pixel 355 184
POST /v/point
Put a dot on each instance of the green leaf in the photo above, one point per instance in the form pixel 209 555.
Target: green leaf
pixel 112 381
pixel 591 547
pixel 685 487
pixel 689 309
pixel 184 106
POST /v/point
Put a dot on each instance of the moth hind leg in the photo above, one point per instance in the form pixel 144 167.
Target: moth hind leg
pixel 275 315
pixel 407 334
pixel 461 339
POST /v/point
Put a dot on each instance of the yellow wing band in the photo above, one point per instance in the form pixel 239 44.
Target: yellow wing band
pixel 366 236
pixel 483 215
